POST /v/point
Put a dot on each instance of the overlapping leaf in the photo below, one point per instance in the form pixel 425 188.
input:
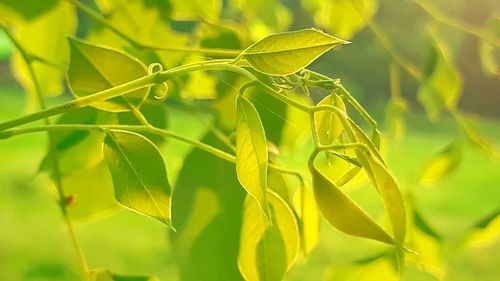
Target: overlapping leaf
pixel 139 174
pixel 93 69
pixel 267 251
pixel 343 213
pixel 251 152
pixel 328 124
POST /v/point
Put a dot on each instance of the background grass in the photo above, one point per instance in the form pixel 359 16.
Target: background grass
pixel 34 244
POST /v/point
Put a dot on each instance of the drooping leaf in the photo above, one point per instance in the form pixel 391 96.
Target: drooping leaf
pixel 277 182
pixel 93 69
pixel 343 18
pixel 45 39
pixel 288 52
pixel 393 204
pixel 154 112
pixel 328 124
pixel 442 163
pixel 343 213
pixel 309 222
pixel 267 251
pixel 139 174
pixel 91 193
pixel 106 275
pixel 442 84
pixel 490 54
pixel 207 214
pixel 251 152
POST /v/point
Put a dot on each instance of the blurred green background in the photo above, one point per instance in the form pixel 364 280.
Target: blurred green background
pixel 34 244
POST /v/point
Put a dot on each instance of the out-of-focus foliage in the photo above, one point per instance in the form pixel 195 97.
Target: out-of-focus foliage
pixel 245 113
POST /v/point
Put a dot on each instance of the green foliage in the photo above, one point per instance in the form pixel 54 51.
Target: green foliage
pixel 93 69
pixel 140 184
pixel 287 53
pixel 236 202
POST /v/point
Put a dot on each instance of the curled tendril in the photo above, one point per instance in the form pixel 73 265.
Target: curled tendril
pixel 155 68
pixel 160 90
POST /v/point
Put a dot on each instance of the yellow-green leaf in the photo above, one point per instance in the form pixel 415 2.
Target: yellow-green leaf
pixel 139 174
pixel 442 84
pixel 442 164
pixel 251 152
pixel 343 18
pixel 197 9
pixel 14 11
pixel 45 38
pixel 93 69
pixel 267 250
pixel 328 124
pixel 308 213
pixel 288 52
pixel 343 213
pixel 91 193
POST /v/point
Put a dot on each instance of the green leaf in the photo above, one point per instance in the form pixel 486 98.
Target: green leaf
pixel 288 52
pixel 344 18
pixel 106 275
pixel 46 39
pixel 197 9
pixel 14 11
pixel 442 84
pixel 343 213
pixel 207 213
pixel 91 193
pixel 393 202
pixel 309 222
pixel 490 54
pixel 328 124
pixel 93 69
pixel 442 164
pixel 139 174
pixel 76 149
pixel 267 251
pixel 251 152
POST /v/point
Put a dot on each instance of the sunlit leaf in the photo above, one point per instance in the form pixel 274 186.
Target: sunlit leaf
pixel 197 9
pixel 264 17
pixel 154 112
pixel 267 251
pixel 93 69
pixel 46 39
pixel 139 174
pixel 251 152
pixel 289 52
pixel 393 204
pixel 91 193
pixel 328 124
pixel 442 164
pixel 344 18
pixel 309 222
pixel 146 22
pixel 277 182
pixel 490 54
pixel 106 275
pixel 442 84
pixel 343 213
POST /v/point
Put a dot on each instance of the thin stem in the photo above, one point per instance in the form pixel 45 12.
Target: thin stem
pixel 63 200
pixel 102 20
pixel 455 23
pixel 138 128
